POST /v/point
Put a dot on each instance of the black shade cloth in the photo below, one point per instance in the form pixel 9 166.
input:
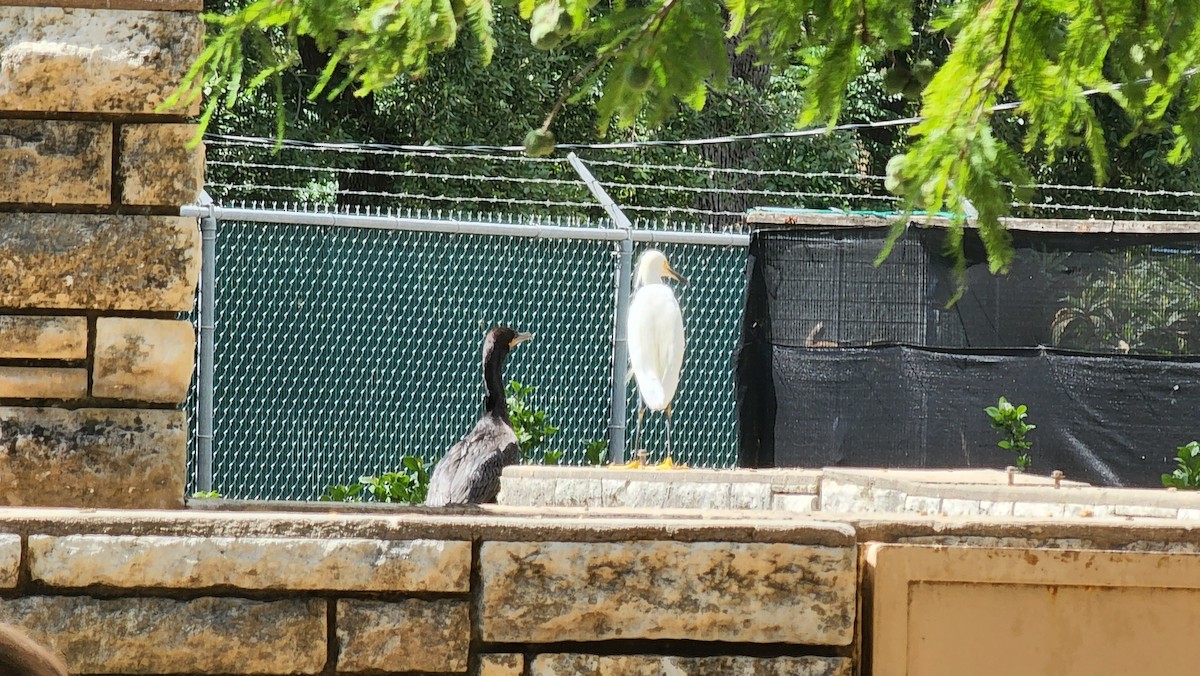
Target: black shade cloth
pixel 844 363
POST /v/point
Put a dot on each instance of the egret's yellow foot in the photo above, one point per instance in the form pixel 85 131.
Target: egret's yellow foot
pixel 632 464
pixel 668 463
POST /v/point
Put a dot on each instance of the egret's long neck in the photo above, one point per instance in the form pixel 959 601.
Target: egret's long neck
pixel 494 403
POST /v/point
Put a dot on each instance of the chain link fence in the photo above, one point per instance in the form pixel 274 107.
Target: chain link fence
pixel 341 349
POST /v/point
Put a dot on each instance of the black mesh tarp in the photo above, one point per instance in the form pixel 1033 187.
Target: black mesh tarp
pixel 845 363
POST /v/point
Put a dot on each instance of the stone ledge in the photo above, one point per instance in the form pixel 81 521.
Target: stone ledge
pixel 549 592
pixel 149 5
pixel 10 560
pixel 555 664
pixel 95 60
pixel 55 162
pixel 410 635
pixel 165 636
pixel 339 564
pixel 157 166
pixel 31 337
pixel 501 664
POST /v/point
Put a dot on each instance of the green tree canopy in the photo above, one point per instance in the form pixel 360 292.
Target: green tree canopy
pixel 1061 65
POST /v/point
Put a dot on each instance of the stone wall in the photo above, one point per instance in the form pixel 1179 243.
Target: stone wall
pixel 237 594
pixel 96 266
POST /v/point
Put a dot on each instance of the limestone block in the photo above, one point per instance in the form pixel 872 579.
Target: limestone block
pixel 837 496
pixel 577 493
pixel 92 457
pixel 10 560
pixel 102 262
pixel 95 60
pixel 1145 511
pixel 794 503
pixel 157 5
pixel 990 508
pixel 502 664
pixel 960 507
pixel 922 504
pixel 410 635
pixel 542 592
pixel 698 495
pixel 157 167
pixel 143 359
pixel 55 162
pixel 28 337
pixel 1190 514
pixel 642 494
pixel 749 496
pixel 555 664
pixel 1039 510
pixel 250 563
pixel 20 382
pixel 166 636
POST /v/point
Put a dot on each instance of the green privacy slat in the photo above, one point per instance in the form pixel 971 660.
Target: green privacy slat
pixel 338 351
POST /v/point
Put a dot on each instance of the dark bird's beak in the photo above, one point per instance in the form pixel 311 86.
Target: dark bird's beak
pixel 675 275
pixel 521 338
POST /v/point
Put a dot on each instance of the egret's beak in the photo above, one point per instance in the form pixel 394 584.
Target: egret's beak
pixel 675 275
pixel 521 338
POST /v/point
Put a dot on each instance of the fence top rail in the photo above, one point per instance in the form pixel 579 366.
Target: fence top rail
pixel 464 227
pixel 799 218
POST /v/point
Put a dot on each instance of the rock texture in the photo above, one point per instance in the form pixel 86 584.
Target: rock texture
pixel 157 167
pixel 55 162
pixel 102 262
pixel 250 563
pixel 29 337
pixel 410 635
pixel 143 359
pixel 502 664
pixel 166 636
pixel 92 457
pixel 542 592
pixel 94 60
pixel 10 560
pixel 554 664
pixel 20 382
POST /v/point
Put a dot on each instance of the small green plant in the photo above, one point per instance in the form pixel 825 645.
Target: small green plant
pixel 1009 420
pixel 206 495
pixel 1187 474
pixel 410 484
pixel 532 425
pixel 595 452
pixel 551 457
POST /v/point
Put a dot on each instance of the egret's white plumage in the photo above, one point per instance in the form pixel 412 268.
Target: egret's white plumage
pixel 655 335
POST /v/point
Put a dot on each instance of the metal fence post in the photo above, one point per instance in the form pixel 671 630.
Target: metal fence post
pixel 624 277
pixel 204 395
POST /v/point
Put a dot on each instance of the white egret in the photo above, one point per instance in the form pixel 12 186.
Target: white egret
pixel 654 336
pixel 470 471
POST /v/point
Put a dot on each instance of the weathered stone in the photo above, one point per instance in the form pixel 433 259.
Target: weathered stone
pixel 996 508
pixel 55 162
pixel 28 337
pixel 158 167
pixel 156 5
pixel 541 592
pixel 95 61
pixel 1190 514
pixel 922 504
pixel 555 664
pixel 21 382
pixel 1038 509
pixel 103 262
pixel 250 563
pixel 92 457
pixel 10 560
pixel 750 496
pixel 960 507
pixel 794 503
pixel 143 359
pixel 166 636
pixel 1145 511
pixel 577 493
pixel 705 495
pixel 501 664
pixel 410 635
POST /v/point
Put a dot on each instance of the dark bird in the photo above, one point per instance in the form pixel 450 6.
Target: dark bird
pixel 470 472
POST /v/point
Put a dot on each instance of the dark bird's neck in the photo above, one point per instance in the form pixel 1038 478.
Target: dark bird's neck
pixel 494 403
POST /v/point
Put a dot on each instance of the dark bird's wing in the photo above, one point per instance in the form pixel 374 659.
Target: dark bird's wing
pixel 470 472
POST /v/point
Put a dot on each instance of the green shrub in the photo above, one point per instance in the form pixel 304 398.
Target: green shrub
pixel 1187 474
pixel 1009 420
